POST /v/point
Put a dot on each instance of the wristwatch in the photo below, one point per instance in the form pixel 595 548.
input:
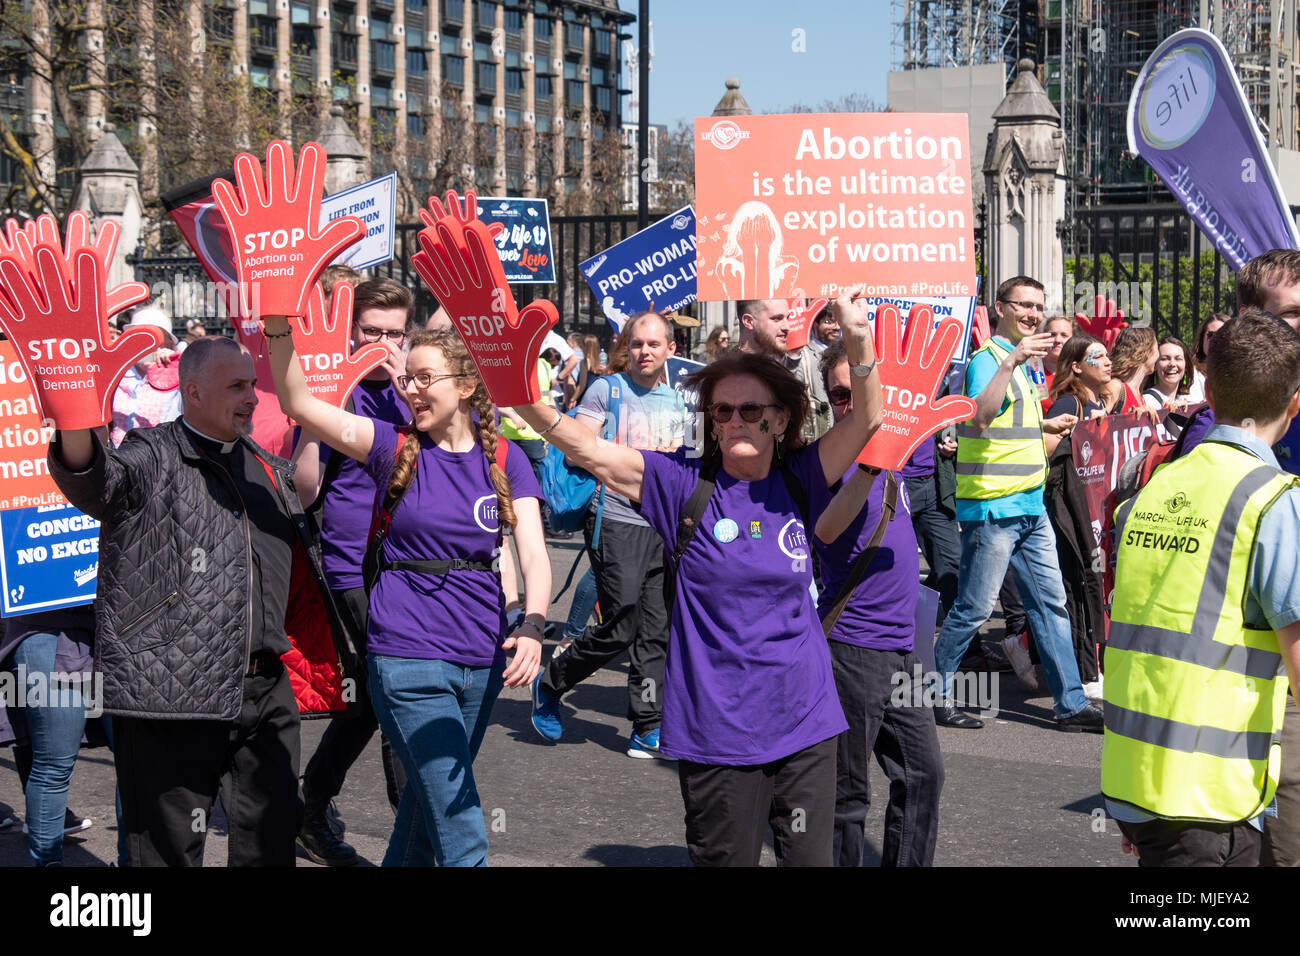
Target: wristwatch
pixel 862 371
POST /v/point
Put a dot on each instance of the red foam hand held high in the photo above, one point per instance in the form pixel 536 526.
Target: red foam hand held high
pixel 274 221
pixel 458 261
pixel 979 329
pixel 60 332
pixel 911 367
pixel 1106 322
pixel 801 315
pixel 330 366
pixel 19 243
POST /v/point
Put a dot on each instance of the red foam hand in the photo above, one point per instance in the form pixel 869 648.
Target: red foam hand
pixel 801 314
pixel 331 367
pixel 1106 322
pixel 279 246
pixel 20 240
pixel 911 367
pixel 458 261
pixel 979 329
pixel 465 213
pixel 60 332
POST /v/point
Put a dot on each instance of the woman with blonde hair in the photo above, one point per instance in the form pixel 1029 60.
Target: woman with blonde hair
pixel 434 652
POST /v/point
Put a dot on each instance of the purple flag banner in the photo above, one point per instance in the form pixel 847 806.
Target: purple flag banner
pixel 1189 119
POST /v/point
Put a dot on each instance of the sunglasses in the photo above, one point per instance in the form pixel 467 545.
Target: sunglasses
pixel 751 412
pixel 840 396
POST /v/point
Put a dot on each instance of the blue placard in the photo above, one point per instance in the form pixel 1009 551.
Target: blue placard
pixel 525 245
pixel 49 559
pixel 656 265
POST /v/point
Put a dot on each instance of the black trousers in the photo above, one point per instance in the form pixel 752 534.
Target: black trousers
pixel 1176 843
pixel 936 536
pixel 629 567
pixel 890 719
pixel 348 733
pixel 169 772
pixel 729 809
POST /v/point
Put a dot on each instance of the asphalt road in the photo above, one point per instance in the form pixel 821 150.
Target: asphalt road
pixel 1018 792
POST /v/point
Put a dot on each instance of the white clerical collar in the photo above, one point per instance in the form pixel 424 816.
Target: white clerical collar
pixel 226 446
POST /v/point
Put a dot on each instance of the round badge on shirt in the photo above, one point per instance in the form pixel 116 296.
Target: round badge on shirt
pixel 726 530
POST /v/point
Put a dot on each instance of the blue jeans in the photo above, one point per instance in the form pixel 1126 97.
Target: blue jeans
pixel 435 713
pixel 584 602
pixel 1027 545
pixel 54 730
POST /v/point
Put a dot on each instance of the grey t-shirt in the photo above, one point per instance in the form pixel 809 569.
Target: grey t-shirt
pixel 649 420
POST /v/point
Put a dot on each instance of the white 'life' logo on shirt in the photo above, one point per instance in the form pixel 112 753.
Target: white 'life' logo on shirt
pixel 793 539
pixel 485 513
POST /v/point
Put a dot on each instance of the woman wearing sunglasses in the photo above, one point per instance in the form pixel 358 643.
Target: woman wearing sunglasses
pixel 749 704
pixel 434 654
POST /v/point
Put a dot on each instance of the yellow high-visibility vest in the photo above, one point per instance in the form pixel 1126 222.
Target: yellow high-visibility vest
pixel 1194 697
pixel 1008 456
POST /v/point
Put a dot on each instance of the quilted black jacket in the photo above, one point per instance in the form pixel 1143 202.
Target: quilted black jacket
pixel 173 608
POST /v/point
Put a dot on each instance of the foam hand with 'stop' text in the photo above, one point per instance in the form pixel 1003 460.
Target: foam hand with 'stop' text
pixel 330 366
pixel 459 263
pixel 280 248
pixel 59 329
pixel 912 365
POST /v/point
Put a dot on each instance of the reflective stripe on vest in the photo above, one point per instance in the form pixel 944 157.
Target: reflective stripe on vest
pixel 1194 697
pixel 1008 456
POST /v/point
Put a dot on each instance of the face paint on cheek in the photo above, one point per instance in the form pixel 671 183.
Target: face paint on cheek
pixel 1093 358
pixel 762 426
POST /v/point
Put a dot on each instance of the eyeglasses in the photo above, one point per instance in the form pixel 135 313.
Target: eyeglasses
pixel 1027 306
pixel 751 412
pixel 374 335
pixel 423 379
pixel 840 396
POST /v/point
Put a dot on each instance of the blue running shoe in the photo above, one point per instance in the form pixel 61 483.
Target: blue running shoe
pixel 546 712
pixel 645 748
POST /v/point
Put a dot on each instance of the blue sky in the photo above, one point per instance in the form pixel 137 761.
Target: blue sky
pixel 699 43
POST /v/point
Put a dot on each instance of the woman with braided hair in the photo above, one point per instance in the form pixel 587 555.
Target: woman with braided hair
pixel 435 659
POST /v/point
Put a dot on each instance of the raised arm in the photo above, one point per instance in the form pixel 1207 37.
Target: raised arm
pixel 846 505
pixel 308 473
pixel 341 430
pixel 847 437
pixel 621 469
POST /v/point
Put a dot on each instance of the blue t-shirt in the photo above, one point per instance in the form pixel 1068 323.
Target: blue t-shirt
pixel 747 678
pixel 983 366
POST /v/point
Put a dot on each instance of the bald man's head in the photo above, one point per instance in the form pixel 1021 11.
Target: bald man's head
pixel 217 381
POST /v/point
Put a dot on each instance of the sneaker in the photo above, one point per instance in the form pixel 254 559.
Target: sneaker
pixel 645 748
pixel 546 712
pixel 1090 720
pixel 320 844
pixel 1092 690
pixel 1017 653
pixel 72 823
pixel 335 819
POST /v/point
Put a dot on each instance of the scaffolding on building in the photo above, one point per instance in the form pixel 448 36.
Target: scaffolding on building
pixel 944 33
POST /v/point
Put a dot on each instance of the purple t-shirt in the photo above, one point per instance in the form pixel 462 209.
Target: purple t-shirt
pixel 748 675
pixel 450 511
pixel 350 498
pixel 921 464
pixel 881 614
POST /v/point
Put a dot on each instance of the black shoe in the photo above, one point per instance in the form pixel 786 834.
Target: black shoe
pixel 320 844
pixel 950 716
pixel 1090 720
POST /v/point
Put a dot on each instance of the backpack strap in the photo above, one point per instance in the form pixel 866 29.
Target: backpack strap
pixel 858 573
pixel 687 525
pixel 615 410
